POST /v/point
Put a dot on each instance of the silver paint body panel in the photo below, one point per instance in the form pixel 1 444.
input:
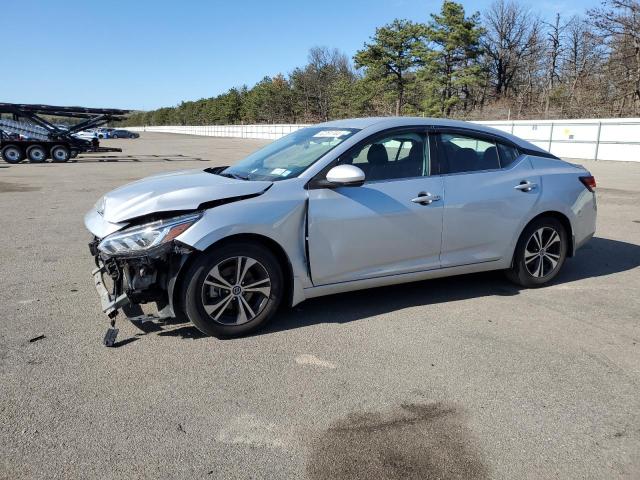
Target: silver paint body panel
pixel 350 238
pixel 176 191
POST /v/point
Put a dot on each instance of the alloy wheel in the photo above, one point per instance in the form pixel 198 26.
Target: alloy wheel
pixel 236 290
pixel 542 252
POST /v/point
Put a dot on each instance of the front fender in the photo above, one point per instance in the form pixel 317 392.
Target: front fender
pixel 279 215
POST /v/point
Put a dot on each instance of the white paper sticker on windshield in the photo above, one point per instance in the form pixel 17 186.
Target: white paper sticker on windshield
pixel 331 133
pixel 278 171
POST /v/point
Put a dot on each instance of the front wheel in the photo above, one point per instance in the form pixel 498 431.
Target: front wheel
pixel 540 253
pixel 233 290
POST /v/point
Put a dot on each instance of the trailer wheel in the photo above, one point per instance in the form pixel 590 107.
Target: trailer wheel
pixel 12 154
pixel 36 154
pixel 60 153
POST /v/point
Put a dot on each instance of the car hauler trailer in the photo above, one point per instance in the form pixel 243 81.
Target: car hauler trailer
pixel 47 140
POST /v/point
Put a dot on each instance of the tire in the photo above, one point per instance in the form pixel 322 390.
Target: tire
pixel 132 136
pixel 60 153
pixel 540 253
pixel 74 153
pixel 36 154
pixel 115 136
pixel 210 285
pixel 12 154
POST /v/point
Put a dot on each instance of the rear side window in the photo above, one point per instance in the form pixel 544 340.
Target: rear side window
pixel 507 154
pixel 468 154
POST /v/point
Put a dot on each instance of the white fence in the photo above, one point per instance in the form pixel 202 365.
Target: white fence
pixel 590 139
pixel 604 139
pixel 238 131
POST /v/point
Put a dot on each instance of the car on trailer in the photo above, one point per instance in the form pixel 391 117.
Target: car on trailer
pixel 104 132
pixel 86 134
pixel 48 140
pixel 6 134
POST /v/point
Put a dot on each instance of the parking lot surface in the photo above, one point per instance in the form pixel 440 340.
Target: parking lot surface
pixel 467 377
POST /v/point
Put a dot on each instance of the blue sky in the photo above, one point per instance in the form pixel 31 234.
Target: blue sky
pixel 145 54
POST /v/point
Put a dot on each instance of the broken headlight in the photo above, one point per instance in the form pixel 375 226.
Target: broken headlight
pixel 144 237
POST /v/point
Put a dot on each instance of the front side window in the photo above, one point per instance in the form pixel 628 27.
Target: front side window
pixel 289 156
pixel 401 155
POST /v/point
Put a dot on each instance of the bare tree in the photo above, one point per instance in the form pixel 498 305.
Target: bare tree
pixel 511 36
pixel 581 71
pixel 555 36
pixel 315 83
pixel 618 21
pixel 529 77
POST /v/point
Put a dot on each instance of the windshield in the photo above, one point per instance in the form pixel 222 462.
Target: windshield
pixel 289 156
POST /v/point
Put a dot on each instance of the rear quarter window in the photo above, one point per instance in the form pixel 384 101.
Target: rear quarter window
pixel 507 154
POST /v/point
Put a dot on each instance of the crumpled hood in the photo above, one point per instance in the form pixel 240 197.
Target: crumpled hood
pixel 183 190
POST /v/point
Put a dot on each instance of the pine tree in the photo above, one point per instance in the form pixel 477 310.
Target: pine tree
pixel 393 56
pixel 453 70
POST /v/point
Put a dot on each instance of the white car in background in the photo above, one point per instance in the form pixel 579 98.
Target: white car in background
pixel 86 134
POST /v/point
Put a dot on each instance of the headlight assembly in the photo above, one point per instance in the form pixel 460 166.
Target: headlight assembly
pixel 145 237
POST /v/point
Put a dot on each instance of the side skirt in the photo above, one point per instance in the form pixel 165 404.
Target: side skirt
pixel 330 289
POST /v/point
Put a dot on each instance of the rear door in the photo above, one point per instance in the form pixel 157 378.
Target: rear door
pixel 490 189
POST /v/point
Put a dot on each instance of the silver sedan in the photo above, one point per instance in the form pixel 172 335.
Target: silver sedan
pixel 335 207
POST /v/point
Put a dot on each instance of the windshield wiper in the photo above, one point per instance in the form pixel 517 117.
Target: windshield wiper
pixel 233 175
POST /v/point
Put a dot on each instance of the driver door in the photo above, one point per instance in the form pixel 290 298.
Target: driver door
pixel 382 227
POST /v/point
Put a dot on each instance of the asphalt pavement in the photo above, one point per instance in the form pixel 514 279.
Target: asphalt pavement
pixel 467 377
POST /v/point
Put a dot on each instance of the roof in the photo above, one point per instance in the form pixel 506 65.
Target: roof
pixel 382 123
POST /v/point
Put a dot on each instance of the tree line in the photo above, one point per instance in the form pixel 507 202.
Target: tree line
pixel 506 62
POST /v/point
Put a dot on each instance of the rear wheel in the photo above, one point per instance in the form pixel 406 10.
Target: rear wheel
pixel 233 290
pixel 540 253
pixel 36 154
pixel 12 154
pixel 60 153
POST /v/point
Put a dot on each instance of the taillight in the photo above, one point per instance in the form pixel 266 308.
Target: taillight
pixel 589 182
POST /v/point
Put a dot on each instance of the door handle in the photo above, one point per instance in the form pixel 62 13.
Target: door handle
pixel 526 186
pixel 425 198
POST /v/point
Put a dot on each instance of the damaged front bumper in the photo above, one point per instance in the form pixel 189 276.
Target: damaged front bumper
pixel 123 283
pixel 110 303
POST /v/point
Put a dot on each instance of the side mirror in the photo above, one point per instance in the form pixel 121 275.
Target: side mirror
pixel 345 176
